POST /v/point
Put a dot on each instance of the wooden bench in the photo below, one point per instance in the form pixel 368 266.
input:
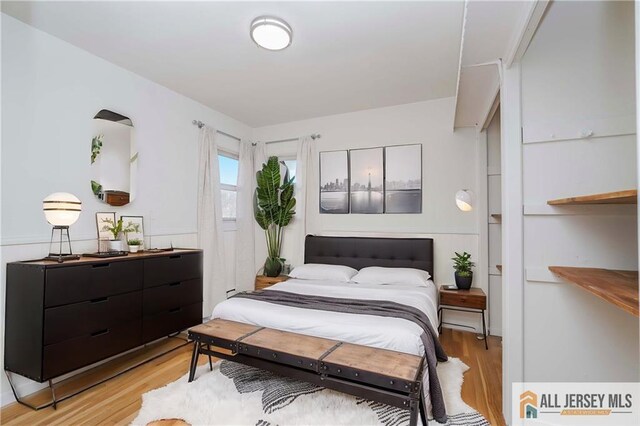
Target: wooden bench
pixel 388 377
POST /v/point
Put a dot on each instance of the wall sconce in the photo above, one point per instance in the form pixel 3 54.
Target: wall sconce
pixel 61 210
pixel 464 200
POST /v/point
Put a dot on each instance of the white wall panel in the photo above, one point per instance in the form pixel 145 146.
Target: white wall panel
pixel 495 195
pixel 495 302
pixel 495 244
pixel 585 166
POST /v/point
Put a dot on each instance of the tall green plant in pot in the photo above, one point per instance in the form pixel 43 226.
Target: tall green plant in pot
pixel 273 207
pixel 462 264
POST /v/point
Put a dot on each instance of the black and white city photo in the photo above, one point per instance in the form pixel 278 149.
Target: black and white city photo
pixel 403 174
pixel 367 180
pixel 334 182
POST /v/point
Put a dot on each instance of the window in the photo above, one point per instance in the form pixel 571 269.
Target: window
pixel 291 165
pixel 228 184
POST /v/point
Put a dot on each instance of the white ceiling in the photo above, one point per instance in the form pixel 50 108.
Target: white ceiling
pixel 344 56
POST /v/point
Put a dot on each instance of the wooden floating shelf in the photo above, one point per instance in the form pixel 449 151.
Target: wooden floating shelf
pixel 618 197
pixel 617 287
pixel 497 216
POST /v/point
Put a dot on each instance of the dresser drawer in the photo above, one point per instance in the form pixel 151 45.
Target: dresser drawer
pixel 169 296
pixel 67 285
pixel 171 321
pixel 63 357
pixel 83 318
pixel 172 269
pixel 463 300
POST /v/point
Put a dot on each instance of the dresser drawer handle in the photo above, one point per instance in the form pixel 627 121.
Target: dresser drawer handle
pixel 99 300
pixel 174 310
pixel 177 256
pixel 100 333
pixel 175 284
pixel 101 265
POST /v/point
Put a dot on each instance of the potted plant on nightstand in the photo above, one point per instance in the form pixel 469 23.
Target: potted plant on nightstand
pixel 134 245
pixel 273 207
pixel 462 264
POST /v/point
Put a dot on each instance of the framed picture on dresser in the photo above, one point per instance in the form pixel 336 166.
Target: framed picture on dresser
pixel 104 220
pixel 136 223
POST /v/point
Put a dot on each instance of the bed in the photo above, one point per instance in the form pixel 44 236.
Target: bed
pixel 386 332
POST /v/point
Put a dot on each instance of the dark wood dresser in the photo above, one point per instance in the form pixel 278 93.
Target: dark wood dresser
pixel 64 316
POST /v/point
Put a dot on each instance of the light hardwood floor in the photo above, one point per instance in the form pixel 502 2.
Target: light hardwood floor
pixel 118 400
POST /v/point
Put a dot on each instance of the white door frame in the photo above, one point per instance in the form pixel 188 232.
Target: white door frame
pixel 512 234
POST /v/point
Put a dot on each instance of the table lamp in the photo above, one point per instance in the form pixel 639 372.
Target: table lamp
pixel 61 210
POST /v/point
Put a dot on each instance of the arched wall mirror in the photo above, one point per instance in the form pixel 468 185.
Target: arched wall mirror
pixel 114 158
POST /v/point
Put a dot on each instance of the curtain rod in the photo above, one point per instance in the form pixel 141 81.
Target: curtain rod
pixel 200 125
pixel 314 136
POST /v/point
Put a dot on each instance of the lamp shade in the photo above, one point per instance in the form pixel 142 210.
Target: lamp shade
pixel 61 208
pixel 464 200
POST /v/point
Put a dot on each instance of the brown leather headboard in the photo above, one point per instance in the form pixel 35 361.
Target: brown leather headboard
pixel 359 252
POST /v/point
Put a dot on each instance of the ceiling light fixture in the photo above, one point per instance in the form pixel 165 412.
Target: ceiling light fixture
pixel 271 33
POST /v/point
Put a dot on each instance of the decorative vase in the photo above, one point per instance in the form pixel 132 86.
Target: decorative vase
pixel 134 248
pixel 272 266
pixel 464 282
pixel 115 245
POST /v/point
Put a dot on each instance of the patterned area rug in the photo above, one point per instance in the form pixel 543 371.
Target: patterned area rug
pixel 235 394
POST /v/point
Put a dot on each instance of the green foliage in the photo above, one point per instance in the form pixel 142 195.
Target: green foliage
pixel 96 145
pixel 273 205
pixel 134 242
pixel 117 227
pixel 462 264
pixel 96 188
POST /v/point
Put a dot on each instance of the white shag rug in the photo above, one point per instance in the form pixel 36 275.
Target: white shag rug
pixel 235 394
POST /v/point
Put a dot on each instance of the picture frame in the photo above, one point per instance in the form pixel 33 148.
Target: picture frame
pixel 403 179
pixel 134 221
pixel 100 216
pixel 334 182
pixel 366 172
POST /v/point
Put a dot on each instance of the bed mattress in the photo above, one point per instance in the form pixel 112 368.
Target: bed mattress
pixel 381 332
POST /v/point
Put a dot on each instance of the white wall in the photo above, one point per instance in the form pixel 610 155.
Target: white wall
pixel 51 91
pixel 578 77
pixel 449 164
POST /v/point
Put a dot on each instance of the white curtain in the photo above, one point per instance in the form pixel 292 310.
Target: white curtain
pixel 250 161
pixel 210 234
pixel 306 159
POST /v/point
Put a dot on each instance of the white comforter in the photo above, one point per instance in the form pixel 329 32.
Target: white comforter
pixel 382 332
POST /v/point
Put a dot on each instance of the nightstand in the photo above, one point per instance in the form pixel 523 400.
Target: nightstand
pixel 472 300
pixel 263 281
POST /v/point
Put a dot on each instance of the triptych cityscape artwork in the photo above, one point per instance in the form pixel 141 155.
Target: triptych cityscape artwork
pixel 372 180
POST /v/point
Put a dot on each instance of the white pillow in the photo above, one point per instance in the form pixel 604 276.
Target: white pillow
pixel 380 275
pixel 318 271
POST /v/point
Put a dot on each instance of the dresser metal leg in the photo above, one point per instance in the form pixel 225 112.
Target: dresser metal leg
pixel 20 401
pixel 53 395
pixel 210 362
